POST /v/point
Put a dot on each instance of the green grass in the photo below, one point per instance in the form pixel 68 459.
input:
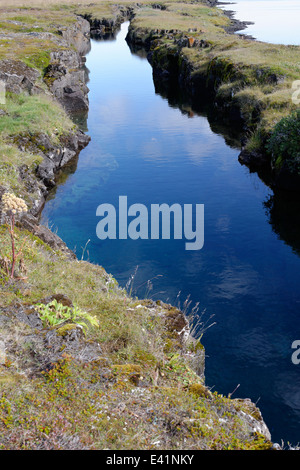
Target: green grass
pixel 34 52
pixel 181 16
pixel 25 114
pixel 11 158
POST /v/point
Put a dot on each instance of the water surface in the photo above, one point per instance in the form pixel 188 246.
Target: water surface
pixel 247 274
pixel 275 21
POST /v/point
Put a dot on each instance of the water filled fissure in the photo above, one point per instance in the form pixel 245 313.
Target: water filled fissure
pixel 153 150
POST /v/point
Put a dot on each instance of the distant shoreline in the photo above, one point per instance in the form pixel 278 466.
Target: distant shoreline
pixel 236 25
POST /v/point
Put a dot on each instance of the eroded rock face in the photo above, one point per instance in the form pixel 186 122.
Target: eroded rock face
pixel 78 35
pixel 100 27
pixel 66 78
pixel 65 75
pixel 56 157
pixel 252 417
pixel 18 77
pixel 254 159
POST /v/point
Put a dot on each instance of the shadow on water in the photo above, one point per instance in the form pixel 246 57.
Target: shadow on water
pixel 283 211
pixel 179 99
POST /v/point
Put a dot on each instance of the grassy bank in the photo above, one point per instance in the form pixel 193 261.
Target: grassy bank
pixel 124 382
pixel 99 368
pixel 255 78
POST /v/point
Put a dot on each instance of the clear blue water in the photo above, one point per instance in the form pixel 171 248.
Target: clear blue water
pixel 247 274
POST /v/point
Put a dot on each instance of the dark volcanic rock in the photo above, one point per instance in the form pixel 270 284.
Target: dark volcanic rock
pixel 66 80
pixel 253 159
pixel 65 75
pixel 78 35
pixel 18 77
pixel 55 157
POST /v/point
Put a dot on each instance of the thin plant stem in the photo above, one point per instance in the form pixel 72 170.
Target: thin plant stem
pixel 15 255
pixel 12 236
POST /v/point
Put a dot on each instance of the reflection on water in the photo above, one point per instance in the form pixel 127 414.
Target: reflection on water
pixel 275 21
pixel 283 210
pixel 179 99
pixel 154 148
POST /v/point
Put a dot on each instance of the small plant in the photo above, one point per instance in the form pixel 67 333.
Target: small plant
pixel 129 284
pixel 255 141
pixel 54 314
pixel 11 206
pixel 283 144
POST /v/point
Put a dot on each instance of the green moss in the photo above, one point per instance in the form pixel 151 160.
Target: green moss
pixel 248 408
pixel 127 369
pixel 66 329
pixel 223 69
pixel 39 60
pixel 145 357
pixel 9 379
pixel 199 390
pixel 25 114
